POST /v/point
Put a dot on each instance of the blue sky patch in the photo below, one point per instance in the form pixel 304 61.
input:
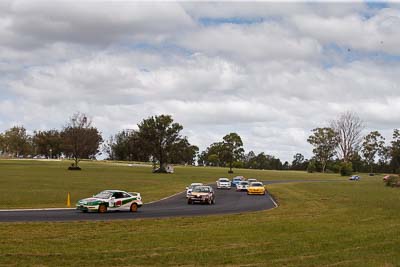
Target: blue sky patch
pixel 376 4
pixel 234 20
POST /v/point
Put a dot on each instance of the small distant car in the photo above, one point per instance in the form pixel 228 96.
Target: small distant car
pixel 256 188
pixel 190 188
pixel 111 200
pixel 354 178
pixel 202 194
pixel 236 180
pixel 251 180
pixel 223 183
pixel 242 186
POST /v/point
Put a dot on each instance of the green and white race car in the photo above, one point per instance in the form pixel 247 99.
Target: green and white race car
pixel 109 200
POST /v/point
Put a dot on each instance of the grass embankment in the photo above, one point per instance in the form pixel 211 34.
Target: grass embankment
pixel 317 224
pixel 38 184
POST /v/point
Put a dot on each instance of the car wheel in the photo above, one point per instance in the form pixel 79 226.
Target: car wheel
pixel 213 201
pixel 189 202
pixel 209 201
pixel 102 208
pixel 133 207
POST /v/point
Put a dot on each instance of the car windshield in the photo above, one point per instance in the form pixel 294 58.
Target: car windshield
pixel 104 195
pixel 237 179
pixel 256 184
pixel 223 180
pixel 201 189
pixel 244 183
pixel 194 185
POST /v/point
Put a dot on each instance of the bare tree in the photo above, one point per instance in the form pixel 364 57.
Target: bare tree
pixel 80 138
pixel 348 128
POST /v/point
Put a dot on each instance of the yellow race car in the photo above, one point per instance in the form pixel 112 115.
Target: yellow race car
pixel 256 188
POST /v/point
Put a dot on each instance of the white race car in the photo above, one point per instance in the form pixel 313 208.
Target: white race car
pixel 109 200
pixel 189 189
pixel 223 183
pixel 242 186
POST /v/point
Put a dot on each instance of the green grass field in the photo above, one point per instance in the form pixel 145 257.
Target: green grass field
pixel 338 223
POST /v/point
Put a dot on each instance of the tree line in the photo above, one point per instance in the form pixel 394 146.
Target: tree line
pixel 158 139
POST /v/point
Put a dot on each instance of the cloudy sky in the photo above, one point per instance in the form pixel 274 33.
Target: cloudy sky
pixel 270 72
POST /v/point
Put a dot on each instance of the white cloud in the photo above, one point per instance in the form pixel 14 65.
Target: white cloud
pixel 377 33
pixel 267 10
pixel 33 24
pixel 262 42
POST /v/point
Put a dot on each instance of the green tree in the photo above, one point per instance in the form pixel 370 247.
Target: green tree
pixel 202 159
pixel 17 141
pixel 3 146
pixel 80 139
pixel 248 159
pixel 346 168
pixel 325 142
pixel 47 143
pixel 395 151
pixel 159 135
pixel 384 159
pixel 372 144
pixel 126 145
pixel 286 165
pixel 218 150
pixel 183 152
pixel 357 163
pixel 213 159
pixel 233 147
pixel 311 166
pixel 299 163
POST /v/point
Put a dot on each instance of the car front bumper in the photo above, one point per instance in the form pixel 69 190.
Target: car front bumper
pixel 199 199
pixel 241 189
pixel 256 192
pixel 87 208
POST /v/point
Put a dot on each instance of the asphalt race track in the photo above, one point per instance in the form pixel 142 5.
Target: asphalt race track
pixel 227 201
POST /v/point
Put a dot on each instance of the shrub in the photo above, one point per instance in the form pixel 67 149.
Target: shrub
pixel 237 164
pixel 74 167
pixel 346 168
pixel 336 167
pixel 393 180
pixel 311 167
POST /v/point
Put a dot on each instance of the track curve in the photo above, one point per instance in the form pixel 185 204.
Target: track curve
pixel 227 201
